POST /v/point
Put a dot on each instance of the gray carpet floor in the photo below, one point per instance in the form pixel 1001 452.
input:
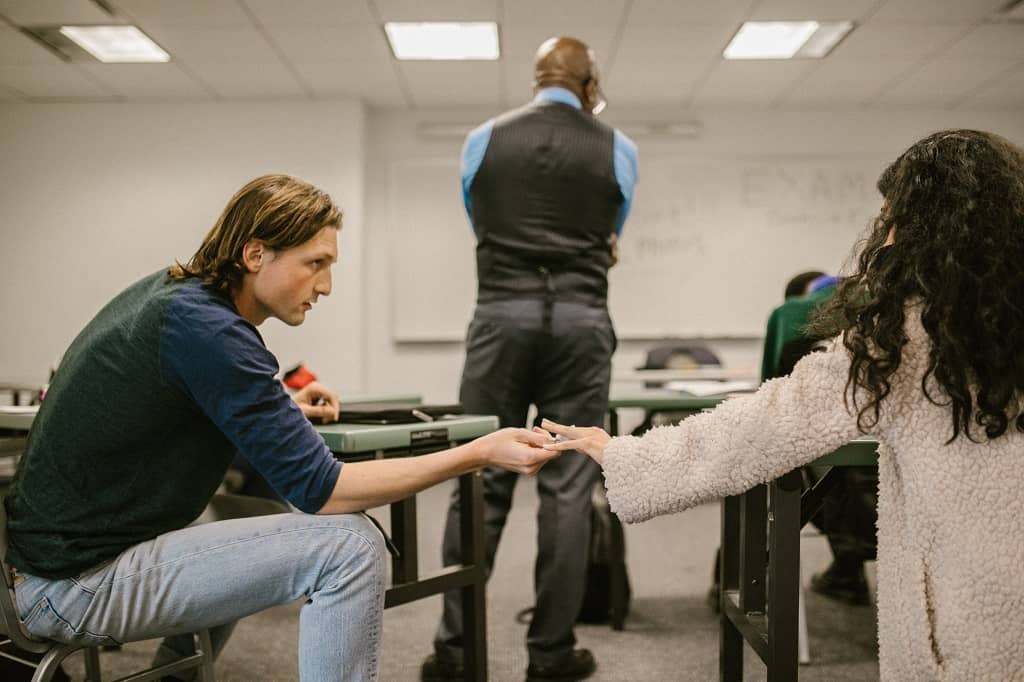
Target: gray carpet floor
pixel 670 634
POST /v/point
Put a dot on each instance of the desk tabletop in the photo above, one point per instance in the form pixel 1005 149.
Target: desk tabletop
pixel 17 418
pixel 860 452
pixel 356 438
pixel 697 374
pixel 20 418
pixel 661 399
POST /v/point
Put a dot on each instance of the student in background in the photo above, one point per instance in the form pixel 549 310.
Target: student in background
pixel 798 284
pixel 849 511
pixel 547 188
pixel 140 423
pixel 929 362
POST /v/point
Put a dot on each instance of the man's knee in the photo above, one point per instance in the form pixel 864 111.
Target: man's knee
pixel 359 541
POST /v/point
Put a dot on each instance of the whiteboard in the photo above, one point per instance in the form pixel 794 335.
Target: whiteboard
pixel 433 252
pixel 706 252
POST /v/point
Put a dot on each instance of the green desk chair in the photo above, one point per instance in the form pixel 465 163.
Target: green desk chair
pixel 14 634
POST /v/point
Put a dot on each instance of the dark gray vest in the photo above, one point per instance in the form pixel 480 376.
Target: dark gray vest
pixel 544 203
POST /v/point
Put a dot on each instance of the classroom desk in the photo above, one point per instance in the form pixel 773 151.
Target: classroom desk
pixel 760 591
pixel 754 582
pixel 19 418
pixel 647 399
pixel 360 442
pixel 696 374
pixel 18 391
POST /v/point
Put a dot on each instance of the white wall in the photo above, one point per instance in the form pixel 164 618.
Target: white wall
pixel 95 196
pixel 434 368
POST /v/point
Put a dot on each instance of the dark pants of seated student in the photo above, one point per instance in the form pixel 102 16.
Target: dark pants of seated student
pixel 559 359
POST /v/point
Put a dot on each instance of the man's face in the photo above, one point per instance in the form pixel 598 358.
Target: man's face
pixel 289 282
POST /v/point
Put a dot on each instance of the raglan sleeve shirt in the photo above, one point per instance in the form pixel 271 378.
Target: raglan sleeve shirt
pixel 219 361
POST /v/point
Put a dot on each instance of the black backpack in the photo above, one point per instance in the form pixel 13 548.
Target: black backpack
pixel 606 557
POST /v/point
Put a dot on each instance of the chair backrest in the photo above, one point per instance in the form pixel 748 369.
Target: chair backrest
pixel 9 620
pixel 679 355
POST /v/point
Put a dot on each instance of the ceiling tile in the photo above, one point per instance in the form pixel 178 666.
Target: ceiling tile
pixel 991 40
pixel 271 79
pixel 223 45
pixel 50 80
pixel 563 13
pixel 9 95
pixel 755 83
pixel 940 82
pixel 147 80
pixel 676 12
pixel 520 39
pixel 844 83
pixel 937 11
pixel 641 82
pixel 372 81
pixel 438 10
pixel 811 10
pixel 1006 91
pixel 182 13
pixel 331 44
pixel 875 38
pixel 18 49
pixel 313 13
pixel 33 12
pixel 452 84
pixel 651 43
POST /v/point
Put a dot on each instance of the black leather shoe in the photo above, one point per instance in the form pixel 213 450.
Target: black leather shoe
pixel 578 666
pixel 849 589
pixel 436 670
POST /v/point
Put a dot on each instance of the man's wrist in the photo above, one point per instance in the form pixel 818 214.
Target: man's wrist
pixel 472 455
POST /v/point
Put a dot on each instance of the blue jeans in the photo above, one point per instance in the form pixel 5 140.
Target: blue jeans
pixel 210 575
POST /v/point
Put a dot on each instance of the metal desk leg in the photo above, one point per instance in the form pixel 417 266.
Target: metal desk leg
pixel 405 567
pixel 617 574
pixel 753 547
pixel 730 648
pixel 783 577
pixel 617 566
pixel 474 612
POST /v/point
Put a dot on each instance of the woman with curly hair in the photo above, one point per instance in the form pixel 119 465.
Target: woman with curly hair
pixel 930 362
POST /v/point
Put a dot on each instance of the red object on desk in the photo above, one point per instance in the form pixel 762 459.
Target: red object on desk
pixel 298 377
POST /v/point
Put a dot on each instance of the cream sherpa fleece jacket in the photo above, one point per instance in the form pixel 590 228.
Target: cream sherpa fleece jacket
pixel 950 517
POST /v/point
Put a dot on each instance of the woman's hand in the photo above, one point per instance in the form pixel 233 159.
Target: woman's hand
pixel 589 439
pixel 318 402
pixel 518 450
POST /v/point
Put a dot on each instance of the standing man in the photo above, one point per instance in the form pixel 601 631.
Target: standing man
pixel 547 188
pixel 140 423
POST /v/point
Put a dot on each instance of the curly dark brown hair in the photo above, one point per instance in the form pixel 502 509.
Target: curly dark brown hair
pixel 954 205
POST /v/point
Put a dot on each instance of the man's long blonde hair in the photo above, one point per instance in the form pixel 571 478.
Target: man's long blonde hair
pixel 279 210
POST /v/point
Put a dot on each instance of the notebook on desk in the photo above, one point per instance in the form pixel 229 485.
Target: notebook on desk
pixel 396 413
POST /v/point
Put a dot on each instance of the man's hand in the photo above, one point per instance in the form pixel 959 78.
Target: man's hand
pixel 591 440
pixel 518 450
pixel 318 402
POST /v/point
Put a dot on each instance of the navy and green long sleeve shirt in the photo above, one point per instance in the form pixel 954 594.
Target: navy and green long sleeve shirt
pixel 140 423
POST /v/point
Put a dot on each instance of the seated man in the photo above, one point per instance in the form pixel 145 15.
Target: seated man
pixel 140 423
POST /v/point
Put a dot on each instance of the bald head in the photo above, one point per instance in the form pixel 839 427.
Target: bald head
pixel 567 63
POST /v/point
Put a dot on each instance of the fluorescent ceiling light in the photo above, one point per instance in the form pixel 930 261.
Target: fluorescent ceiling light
pixel 116 43
pixel 785 39
pixel 443 40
